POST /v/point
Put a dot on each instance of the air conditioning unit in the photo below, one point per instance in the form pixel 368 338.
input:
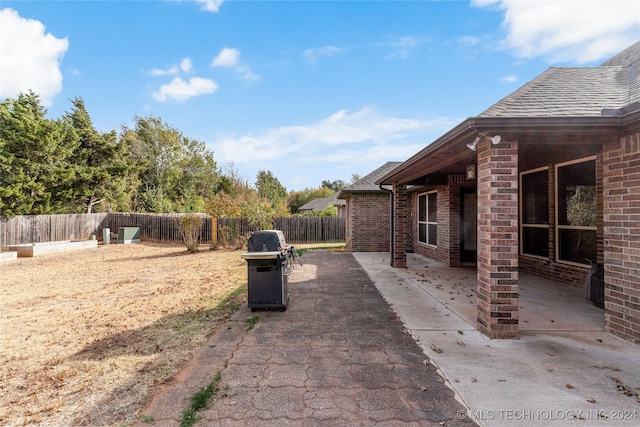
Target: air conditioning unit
pixel 128 235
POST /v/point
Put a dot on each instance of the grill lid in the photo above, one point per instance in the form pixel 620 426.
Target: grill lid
pixel 266 241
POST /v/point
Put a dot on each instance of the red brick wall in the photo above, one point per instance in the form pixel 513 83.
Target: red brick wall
pixel 447 250
pixel 452 241
pixel 369 222
pixel 400 212
pixel 621 216
pixel 444 222
pixel 498 239
pixel 441 251
pixel 348 221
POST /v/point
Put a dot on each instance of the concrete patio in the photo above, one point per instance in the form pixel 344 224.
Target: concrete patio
pixel 564 368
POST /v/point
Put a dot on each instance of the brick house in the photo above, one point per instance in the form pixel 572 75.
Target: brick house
pixel 546 181
pixel 368 212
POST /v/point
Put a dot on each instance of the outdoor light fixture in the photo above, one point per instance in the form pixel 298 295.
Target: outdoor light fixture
pixel 472 146
pixel 495 140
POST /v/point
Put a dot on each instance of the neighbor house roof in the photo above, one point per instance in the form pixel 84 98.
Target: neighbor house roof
pixel 367 184
pixel 572 100
pixel 321 203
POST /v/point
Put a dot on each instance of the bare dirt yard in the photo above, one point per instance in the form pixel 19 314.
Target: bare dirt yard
pixel 86 335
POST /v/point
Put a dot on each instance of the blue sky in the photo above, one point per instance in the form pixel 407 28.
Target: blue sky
pixel 309 90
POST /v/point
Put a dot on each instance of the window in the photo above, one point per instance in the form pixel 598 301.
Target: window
pixel 428 218
pixel 576 211
pixel 534 212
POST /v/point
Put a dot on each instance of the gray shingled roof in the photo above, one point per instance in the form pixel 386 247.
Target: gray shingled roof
pixel 561 101
pixel 582 91
pixel 321 203
pixel 625 58
pixel 368 183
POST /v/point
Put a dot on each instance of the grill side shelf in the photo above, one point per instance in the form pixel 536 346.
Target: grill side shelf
pixel 260 255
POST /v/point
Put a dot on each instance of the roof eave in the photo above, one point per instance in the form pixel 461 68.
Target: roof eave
pixel 456 133
pixel 507 127
pixel 343 193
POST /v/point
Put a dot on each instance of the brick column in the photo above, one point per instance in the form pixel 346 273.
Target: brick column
pixel 621 204
pixel 400 212
pixel 498 239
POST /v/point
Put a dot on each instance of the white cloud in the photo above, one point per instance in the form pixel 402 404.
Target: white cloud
pixel 401 46
pixel 230 58
pixel 186 65
pixel 168 72
pixel 227 57
pixel 509 79
pixel 181 90
pixel 484 3
pixel 343 137
pixel 245 73
pixel 312 55
pixel 210 5
pixel 468 41
pixel 30 57
pixel 561 30
pixel 402 41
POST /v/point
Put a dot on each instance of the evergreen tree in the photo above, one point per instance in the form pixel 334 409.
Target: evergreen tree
pixel 36 171
pixel 336 185
pixel 101 162
pixel 270 188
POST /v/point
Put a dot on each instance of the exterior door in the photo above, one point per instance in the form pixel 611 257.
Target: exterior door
pixel 468 224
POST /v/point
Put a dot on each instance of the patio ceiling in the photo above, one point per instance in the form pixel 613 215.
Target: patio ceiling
pixel 449 154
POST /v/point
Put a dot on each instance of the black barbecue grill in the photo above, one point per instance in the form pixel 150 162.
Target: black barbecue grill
pixel 269 261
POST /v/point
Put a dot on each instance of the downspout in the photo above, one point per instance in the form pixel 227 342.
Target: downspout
pixel 391 243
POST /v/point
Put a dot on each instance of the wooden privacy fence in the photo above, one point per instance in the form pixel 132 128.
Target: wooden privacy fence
pixel 50 228
pixel 306 229
pixel 159 228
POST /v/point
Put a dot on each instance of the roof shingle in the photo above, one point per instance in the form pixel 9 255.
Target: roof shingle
pixel 576 91
pixel 321 203
pixel 368 182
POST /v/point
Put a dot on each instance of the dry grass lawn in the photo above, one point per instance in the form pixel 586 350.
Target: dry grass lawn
pixel 86 335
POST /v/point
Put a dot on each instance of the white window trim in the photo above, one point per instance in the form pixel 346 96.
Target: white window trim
pixel 427 222
pixel 523 225
pixel 559 227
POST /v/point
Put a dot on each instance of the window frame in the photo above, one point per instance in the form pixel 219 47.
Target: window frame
pixel 524 225
pixel 558 226
pixel 427 222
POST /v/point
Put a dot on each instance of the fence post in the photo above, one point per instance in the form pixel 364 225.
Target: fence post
pixel 214 231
